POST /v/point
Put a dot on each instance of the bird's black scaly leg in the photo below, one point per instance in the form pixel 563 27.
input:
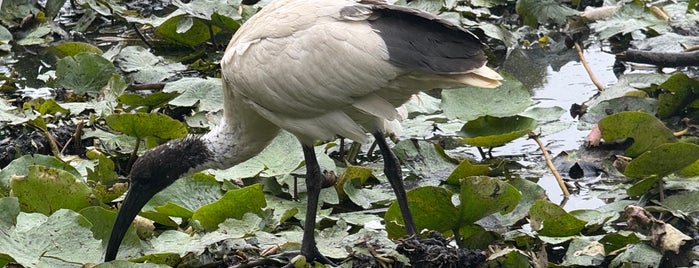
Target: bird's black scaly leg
pixel 393 172
pixel 313 185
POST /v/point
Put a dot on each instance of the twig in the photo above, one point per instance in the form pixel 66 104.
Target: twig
pixel 75 138
pixel 549 163
pixel 597 83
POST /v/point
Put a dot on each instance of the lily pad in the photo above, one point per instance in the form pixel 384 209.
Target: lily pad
pixel 46 190
pixel 551 220
pixel 142 125
pixel 491 131
pixel 144 67
pixel 69 49
pixel 466 169
pixel 151 101
pixel 470 103
pixel 482 196
pixel 84 73
pixel 195 33
pixel 681 92
pixel 431 208
pixel 233 204
pixel 535 12
pixel 207 94
pixel 663 160
pixel 646 131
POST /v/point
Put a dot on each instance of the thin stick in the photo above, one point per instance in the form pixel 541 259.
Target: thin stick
pixel 597 83
pixel 549 163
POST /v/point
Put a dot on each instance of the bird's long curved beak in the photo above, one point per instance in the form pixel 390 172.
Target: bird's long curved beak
pixel 136 198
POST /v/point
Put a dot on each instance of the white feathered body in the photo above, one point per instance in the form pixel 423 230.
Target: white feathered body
pixel 309 68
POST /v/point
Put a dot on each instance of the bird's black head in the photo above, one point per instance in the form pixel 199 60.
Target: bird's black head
pixel 150 174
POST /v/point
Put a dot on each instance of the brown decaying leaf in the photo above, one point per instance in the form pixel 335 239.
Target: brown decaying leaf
pixel 663 235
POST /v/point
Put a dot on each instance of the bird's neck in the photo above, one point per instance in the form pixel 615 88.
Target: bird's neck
pixel 242 134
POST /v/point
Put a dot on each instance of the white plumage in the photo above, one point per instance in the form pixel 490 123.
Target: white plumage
pixel 318 69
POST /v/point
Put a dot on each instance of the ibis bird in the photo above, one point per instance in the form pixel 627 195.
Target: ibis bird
pixel 317 69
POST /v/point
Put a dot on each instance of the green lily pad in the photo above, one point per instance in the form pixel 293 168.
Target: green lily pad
pixel 233 204
pixel 145 67
pixel 535 12
pixel 206 94
pixel 60 240
pixel 46 190
pixel 69 49
pixel 551 220
pixel 431 208
pixel 488 131
pixel 681 92
pixel 142 125
pixel 151 101
pixel 647 131
pixel 173 30
pixel 84 73
pixel 18 167
pixel 482 196
pixel 470 103
pixel 466 169
pixel 663 160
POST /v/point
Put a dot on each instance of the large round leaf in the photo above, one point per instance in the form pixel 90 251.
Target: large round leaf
pixel 488 131
pixel 551 220
pixel 482 196
pixel 431 208
pixel 663 160
pixel 646 131
pixel 84 72
pixel 142 125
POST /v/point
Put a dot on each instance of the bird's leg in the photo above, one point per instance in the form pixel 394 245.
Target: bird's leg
pixel 393 172
pixel 313 185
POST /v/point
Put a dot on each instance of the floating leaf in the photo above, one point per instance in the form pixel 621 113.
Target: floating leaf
pixel 482 196
pixel 663 160
pixel 46 190
pixel 233 204
pixel 69 49
pixel 142 125
pixel 647 131
pixel 207 93
pixel 470 103
pixel 151 101
pixel 144 67
pixel 683 90
pixel 466 169
pixel 18 167
pixel 535 12
pixel 84 73
pixel 60 240
pixel 431 208
pixel 551 220
pixel 192 36
pixel 491 131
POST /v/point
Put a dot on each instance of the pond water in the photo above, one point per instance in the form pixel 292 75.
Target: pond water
pixel 562 84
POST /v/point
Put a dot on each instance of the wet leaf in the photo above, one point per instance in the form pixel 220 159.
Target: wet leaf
pixel 551 220
pixel 684 202
pixel 38 36
pixel 84 73
pixel 663 160
pixel 647 131
pixel 628 18
pixel 681 92
pixel 70 49
pixel 151 101
pixel 491 131
pixel 195 34
pixel 642 187
pixel 102 222
pixel 638 254
pixel 470 103
pixel 466 169
pixel 431 208
pixel 530 192
pixel 60 240
pixel 509 257
pixel 542 12
pixel 207 94
pixel 584 252
pixel 423 159
pixel 233 204
pixel 144 67
pixel 142 125
pixel 482 196
pixel 46 190
pixel 19 167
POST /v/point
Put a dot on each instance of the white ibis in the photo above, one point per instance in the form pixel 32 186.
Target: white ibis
pixel 318 69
